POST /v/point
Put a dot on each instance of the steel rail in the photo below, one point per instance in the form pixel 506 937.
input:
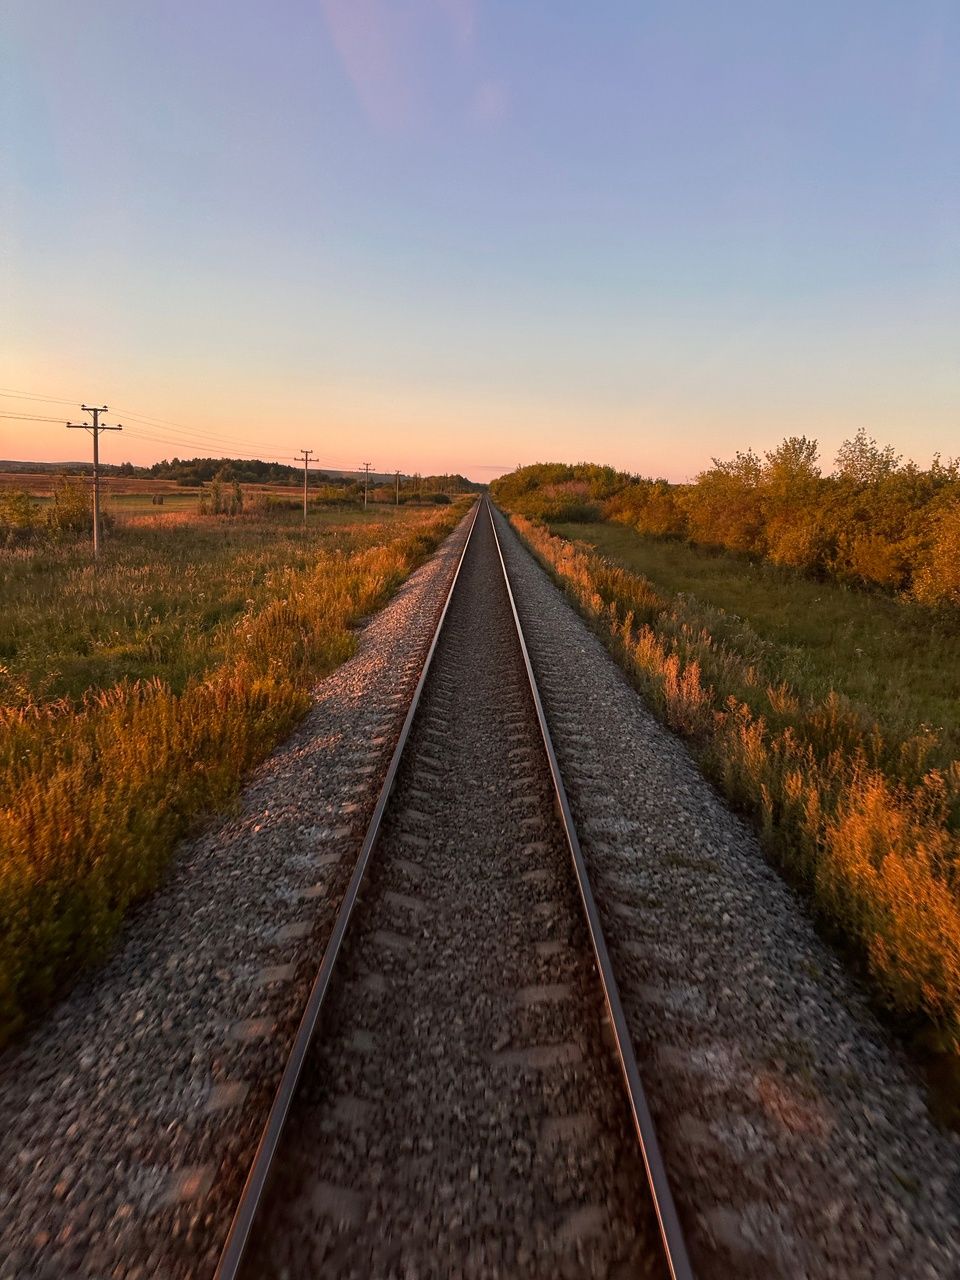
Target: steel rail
pixel 670 1230
pixel 231 1256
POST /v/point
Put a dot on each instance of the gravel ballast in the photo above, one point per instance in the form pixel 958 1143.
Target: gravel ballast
pixel 128 1116
pixel 461 1113
pixel 795 1131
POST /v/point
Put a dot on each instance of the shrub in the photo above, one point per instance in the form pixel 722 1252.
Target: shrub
pixel 222 498
pixel 875 522
pixel 938 581
pixel 19 517
pixel 72 509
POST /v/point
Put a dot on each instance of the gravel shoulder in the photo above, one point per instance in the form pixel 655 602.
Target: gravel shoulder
pixel 795 1130
pixel 129 1114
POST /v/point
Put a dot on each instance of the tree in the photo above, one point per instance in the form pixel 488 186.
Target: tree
pixel 862 461
pixel 724 507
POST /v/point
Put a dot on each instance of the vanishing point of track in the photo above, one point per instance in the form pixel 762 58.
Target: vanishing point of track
pixel 458 1111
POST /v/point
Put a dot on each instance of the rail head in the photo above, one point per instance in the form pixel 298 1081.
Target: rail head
pixel 238 1235
pixel 671 1232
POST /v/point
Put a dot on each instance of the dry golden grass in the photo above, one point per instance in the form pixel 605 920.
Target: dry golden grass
pixel 97 788
pixel 862 823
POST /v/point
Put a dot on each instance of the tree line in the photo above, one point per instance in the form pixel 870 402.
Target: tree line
pixel 874 520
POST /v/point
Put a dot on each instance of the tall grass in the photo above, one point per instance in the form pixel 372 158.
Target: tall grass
pixel 97 788
pixel 890 657
pixel 861 820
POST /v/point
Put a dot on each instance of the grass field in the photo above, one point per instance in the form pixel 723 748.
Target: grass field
pixel 165 598
pixel 41 484
pixel 854 793
pixel 135 695
pixel 885 655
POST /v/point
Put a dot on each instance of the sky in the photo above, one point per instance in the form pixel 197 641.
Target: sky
pixel 462 235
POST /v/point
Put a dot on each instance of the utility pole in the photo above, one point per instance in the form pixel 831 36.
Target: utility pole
pixel 398 488
pixel 306 454
pixel 365 467
pixel 95 430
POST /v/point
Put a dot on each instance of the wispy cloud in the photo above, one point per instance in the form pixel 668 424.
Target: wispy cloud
pixel 385 47
pixel 368 36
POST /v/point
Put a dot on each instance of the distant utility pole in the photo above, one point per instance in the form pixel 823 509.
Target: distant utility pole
pixel 306 454
pixel 365 467
pixel 398 488
pixel 95 430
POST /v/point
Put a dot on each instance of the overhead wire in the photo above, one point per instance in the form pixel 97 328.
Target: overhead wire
pixel 10 394
pixel 205 436
pixel 286 459
pixel 28 417
pixel 172 434
pixel 200 438
pixel 196 435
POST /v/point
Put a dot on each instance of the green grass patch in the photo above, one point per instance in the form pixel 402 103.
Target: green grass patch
pixel 858 805
pixel 888 656
pixel 163 601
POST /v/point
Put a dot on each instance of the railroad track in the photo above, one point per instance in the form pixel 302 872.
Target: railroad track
pixel 469 1103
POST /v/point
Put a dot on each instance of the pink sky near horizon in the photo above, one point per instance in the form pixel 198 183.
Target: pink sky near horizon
pixel 416 428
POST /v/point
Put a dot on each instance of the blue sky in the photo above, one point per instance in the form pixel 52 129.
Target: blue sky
pixel 458 234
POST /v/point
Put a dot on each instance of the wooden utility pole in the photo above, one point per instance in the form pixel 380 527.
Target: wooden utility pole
pixel 398 488
pixel 365 467
pixel 306 454
pixel 95 430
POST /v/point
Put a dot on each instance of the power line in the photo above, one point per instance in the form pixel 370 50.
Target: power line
pixel 217 448
pixel 8 393
pixel 193 433
pixel 202 438
pixel 187 444
pixel 95 430
pixel 189 437
pixel 286 459
pixel 28 417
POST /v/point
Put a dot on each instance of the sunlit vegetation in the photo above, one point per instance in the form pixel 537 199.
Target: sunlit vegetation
pixel 135 696
pixel 886 655
pixel 875 521
pixel 861 808
pixel 30 499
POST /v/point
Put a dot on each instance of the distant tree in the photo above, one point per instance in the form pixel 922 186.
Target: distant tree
pixel 862 461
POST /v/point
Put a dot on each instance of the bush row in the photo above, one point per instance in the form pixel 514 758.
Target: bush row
pixel 874 521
